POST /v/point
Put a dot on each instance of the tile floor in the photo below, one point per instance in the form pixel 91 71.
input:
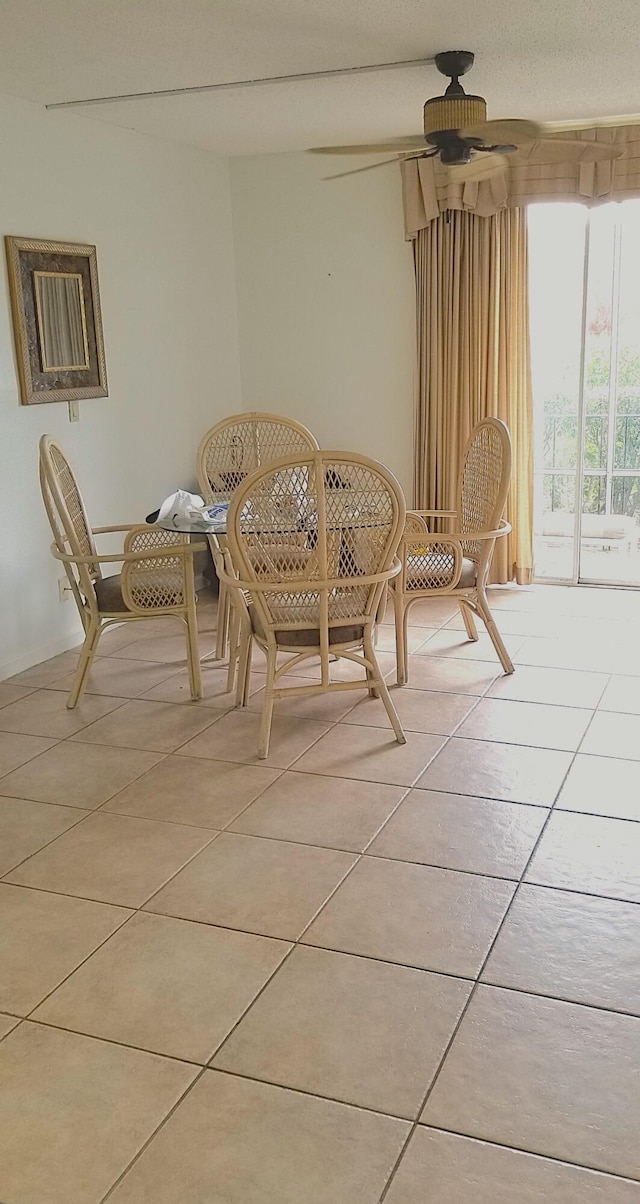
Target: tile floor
pixel 354 973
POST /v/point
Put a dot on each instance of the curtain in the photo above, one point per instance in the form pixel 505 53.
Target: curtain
pixel 553 170
pixel 474 362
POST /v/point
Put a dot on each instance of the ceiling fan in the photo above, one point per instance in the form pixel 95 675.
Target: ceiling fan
pixel 457 132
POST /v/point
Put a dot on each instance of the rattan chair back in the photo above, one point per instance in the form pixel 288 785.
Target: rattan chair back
pixel 483 486
pixel 238 445
pixel 313 537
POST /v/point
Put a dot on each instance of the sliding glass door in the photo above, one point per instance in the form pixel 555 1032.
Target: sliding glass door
pixel 585 331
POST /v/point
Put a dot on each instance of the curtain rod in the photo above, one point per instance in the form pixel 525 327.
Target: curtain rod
pixel 244 83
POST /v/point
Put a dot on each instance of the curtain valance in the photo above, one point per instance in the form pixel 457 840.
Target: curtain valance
pixel 530 175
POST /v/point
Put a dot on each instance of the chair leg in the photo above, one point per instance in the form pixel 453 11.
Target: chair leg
pixel 267 712
pixel 193 655
pixel 469 621
pixel 383 691
pixel 234 648
pixel 401 646
pixel 496 638
pixel 223 622
pixel 246 680
pixel 84 663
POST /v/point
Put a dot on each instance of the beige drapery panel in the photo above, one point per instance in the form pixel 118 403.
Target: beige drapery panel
pixel 473 362
pixel 428 190
pixel 470 249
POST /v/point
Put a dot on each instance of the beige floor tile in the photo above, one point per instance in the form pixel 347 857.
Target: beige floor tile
pixel 527 723
pixel 235 738
pixel 328 1024
pixel 264 886
pixel 611 734
pixel 214 688
pixel 45 713
pixel 459 832
pixel 446 674
pixel 340 813
pixel 43 937
pixel 272 1147
pixel 571 946
pixel 416 636
pixel 7 1025
pixel 586 853
pixel 447 642
pixel 325 708
pixel 499 771
pixel 16 750
pixel 186 790
pixel 170 649
pixel 341 670
pixel 414 914
pixel 622 694
pixel 442 1168
pixel 600 785
pixel 561 687
pixel 85 775
pixel 419 711
pixel 151 726
pixel 429 612
pixel 67 1144
pixel 371 754
pixel 26 827
pixel 113 858
pixel 9 693
pixel 165 985
pixel 47 672
pixel 545 1076
pixel 112 675
pixel 574 654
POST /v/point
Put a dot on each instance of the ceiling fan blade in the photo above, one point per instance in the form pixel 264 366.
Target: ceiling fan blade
pixel 370 167
pixel 482 168
pixel 413 142
pixel 511 130
pixel 565 150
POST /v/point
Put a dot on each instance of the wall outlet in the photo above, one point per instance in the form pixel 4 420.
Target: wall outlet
pixel 64 589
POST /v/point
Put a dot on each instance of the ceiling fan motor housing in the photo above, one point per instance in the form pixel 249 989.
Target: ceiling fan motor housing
pixel 453 113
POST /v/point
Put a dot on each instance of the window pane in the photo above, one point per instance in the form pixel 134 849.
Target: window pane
pixel 560 441
pixel 625 496
pixel 627 449
pixel 595 441
pixel 594 495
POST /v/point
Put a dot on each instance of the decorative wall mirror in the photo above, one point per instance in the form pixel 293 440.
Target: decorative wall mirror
pixel 57 324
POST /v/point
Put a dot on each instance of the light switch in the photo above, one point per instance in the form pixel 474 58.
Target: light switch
pixel 74 410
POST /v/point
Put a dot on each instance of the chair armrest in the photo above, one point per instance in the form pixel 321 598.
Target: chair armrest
pixel 434 513
pixel 110 530
pixel 178 549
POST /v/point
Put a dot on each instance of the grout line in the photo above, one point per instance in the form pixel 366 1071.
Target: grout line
pixel 535 1154
pixel 152 1135
pixel 472 994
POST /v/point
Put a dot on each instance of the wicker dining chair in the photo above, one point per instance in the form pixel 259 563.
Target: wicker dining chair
pixel 312 542
pixel 157 577
pixel 228 453
pixel 458 563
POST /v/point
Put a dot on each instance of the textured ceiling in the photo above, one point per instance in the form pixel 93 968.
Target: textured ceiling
pixel 545 59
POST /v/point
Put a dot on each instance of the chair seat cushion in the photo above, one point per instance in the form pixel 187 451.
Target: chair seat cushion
pixel 421 575
pixel 310 637
pixel 157 582
pixel 109 594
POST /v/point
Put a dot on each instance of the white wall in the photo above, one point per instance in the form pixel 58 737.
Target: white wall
pixel 160 216
pixel 326 301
